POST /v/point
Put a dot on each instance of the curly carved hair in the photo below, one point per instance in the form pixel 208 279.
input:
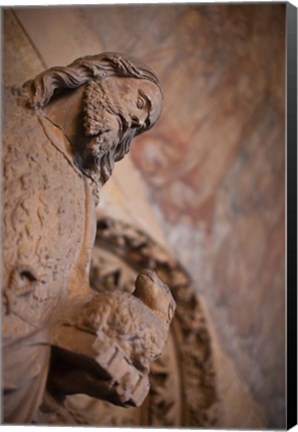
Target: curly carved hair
pixel 36 93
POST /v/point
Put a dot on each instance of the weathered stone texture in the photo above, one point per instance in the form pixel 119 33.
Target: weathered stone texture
pixel 214 165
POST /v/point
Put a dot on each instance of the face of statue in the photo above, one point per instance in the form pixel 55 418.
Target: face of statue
pixel 117 109
pixel 141 99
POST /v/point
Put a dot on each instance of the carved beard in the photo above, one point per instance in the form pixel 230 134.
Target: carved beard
pixel 108 126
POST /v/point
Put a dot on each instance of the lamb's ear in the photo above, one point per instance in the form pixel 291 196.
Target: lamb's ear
pixel 171 311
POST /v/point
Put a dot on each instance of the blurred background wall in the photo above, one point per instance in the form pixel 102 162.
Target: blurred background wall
pixel 212 171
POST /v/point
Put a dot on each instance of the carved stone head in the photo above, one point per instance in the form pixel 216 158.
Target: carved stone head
pixel 119 99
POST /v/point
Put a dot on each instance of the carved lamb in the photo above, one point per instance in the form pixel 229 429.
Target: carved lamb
pixel 115 336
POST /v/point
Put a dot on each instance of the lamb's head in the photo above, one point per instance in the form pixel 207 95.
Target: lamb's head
pixel 155 294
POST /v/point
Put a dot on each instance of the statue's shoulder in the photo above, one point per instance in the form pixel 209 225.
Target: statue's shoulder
pixel 17 119
pixel 11 100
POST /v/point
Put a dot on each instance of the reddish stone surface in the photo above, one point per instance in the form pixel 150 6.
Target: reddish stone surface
pixel 215 163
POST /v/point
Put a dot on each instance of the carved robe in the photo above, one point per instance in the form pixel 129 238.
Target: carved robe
pixel 48 233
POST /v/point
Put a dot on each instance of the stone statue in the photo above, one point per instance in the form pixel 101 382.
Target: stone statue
pixel 62 133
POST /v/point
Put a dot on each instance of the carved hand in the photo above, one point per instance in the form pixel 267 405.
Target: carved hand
pixel 105 348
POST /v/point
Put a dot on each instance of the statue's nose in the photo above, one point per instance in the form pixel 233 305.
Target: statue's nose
pixel 136 121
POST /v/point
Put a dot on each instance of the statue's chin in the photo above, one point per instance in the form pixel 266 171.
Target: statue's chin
pixel 98 158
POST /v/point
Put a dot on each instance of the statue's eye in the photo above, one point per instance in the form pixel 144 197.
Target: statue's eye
pixel 140 103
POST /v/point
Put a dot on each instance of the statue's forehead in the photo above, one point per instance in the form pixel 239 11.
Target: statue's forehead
pixel 150 88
